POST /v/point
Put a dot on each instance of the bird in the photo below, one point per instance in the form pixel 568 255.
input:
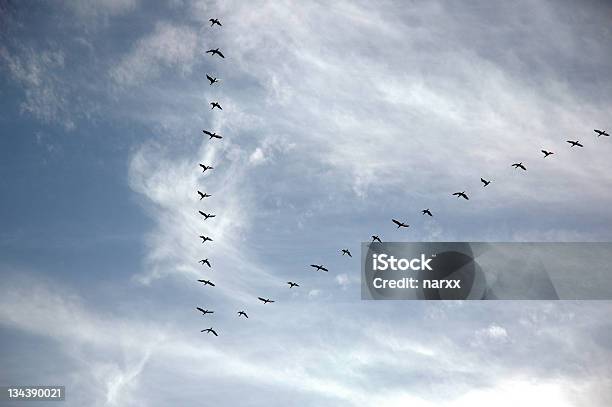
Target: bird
pixel 214 21
pixel 519 165
pixel 292 284
pixel 211 79
pixel 319 267
pixel 212 135
pixel 215 104
pixel 400 224
pixel 206 215
pixel 205 311
pixel 346 251
pixel 426 212
pixel 210 331
pixel 484 182
pixel 265 300
pixel 546 153
pixel 203 195
pixel 215 51
pixel 575 143
pixel 205 261
pixel 206 167
pixel 207 282
pixel 243 314
pixel 461 195
pixel 376 239
pixel 601 133
pixel 205 239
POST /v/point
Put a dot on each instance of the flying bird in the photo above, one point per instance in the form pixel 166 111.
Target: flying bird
pixel 212 135
pixel 242 314
pixel 205 311
pixel 575 143
pixel 319 267
pixel 376 239
pixel 215 51
pixel 519 165
pixel 210 331
pixel 426 212
pixel 214 21
pixel 346 251
pixel 211 79
pixel 203 195
pixel 601 133
pixel 264 300
pixel 292 284
pixel 205 261
pixel 546 153
pixel 461 195
pixel 484 182
pixel 205 239
pixel 205 167
pixel 400 224
pixel 207 215
pixel 207 282
pixel 215 104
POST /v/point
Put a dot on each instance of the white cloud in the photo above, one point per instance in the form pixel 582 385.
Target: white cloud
pixel 38 73
pixel 168 46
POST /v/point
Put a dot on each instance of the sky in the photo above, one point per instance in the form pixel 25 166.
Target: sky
pixel 337 116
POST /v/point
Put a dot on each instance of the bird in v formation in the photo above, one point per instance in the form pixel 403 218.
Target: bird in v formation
pixel 204 311
pixel 211 134
pixel 211 79
pixel 210 331
pixel 214 52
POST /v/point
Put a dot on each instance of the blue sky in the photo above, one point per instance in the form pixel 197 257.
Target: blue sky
pixel 336 118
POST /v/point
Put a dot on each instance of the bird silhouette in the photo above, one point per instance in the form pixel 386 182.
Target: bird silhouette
pixel 601 133
pixel 265 300
pixel 205 311
pixel 214 21
pixel 546 153
pixel 484 182
pixel 212 135
pixel 318 267
pixel 243 314
pixel 215 52
pixel 292 284
pixel 207 282
pixel 575 143
pixel 203 195
pixel 205 239
pixel 376 239
pixel 461 195
pixel 426 212
pixel 346 251
pixel 211 79
pixel 205 261
pixel 400 224
pixel 207 215
pixel 205 167
pixel 519 165
pixel 215 104
pixel 210 331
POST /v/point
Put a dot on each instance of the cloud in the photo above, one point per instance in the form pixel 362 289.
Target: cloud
pixel 39 74
pixel 168 46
